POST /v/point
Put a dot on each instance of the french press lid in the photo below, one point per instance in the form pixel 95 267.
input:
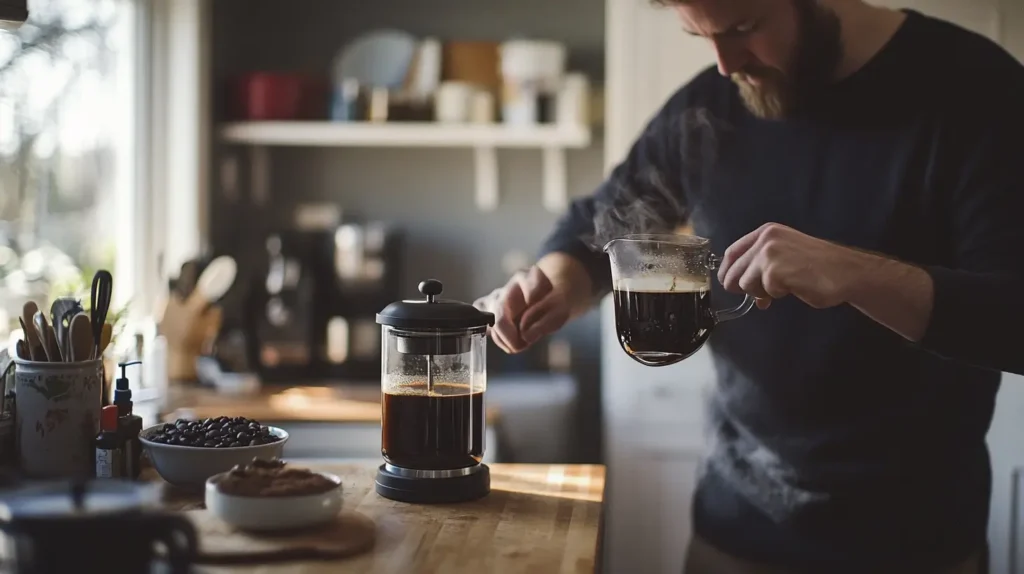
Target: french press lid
pixel 432 312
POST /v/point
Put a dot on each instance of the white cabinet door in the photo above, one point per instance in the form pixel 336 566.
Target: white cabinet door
pixel 653 417
pixel 650 527
pixel 648 58
pixel 1005 534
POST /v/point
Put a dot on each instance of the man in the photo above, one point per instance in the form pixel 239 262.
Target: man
pixel 867 186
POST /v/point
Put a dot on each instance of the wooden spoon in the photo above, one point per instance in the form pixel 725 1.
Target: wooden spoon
pixel 39 321
pixel 52 347
pixel 80 335
pixel 32 337
pixel 107 334
pixel 21 348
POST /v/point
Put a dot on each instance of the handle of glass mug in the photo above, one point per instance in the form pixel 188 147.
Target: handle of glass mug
pixel 737 311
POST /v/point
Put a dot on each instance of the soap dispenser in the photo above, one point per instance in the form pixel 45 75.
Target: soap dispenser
pixel 129 425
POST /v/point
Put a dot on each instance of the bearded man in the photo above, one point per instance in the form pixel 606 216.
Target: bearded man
pixel 861 172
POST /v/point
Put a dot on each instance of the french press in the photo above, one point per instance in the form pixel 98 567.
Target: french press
pixel 433 415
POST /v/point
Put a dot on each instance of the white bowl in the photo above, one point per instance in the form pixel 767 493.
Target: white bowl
pixel 269 513
pixel 189 466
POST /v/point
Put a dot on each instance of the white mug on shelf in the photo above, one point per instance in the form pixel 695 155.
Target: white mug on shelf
pixel 453 102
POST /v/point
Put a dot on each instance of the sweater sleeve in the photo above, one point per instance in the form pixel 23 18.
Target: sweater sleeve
pixel 978 309
pixel 643 194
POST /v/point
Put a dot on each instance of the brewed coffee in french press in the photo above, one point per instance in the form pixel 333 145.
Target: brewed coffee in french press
pixel 433 414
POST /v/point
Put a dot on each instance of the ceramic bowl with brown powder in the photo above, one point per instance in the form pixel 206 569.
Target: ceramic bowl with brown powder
pixel 270 495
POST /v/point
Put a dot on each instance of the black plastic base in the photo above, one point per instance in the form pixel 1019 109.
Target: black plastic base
pixel 434 490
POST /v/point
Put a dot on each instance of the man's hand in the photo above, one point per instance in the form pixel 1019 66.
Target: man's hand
pixel 775 261
pixel 527 308
pixel 537 302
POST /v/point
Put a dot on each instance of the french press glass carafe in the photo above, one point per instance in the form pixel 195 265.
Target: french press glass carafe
pixel 433 415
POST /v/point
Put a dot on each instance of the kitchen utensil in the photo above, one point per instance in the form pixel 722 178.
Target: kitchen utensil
pixel 377 59
pixel 62 311
pixel 58 409
pixel 80 336
pixel 187 277
pixel 662 292
pixel 42 329
pixel 52 348
pixel 434 374
pixel 99 305
pixel 93 526
pixel 28 348
pixel 189 467
pixel 21 348
pixel 274 513
pixel 217 279
pixel 32 337
pixel 105 337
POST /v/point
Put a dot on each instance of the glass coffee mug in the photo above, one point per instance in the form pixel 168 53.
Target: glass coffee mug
pixel 662 290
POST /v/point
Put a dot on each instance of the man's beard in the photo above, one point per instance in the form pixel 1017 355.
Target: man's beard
pixel 818 51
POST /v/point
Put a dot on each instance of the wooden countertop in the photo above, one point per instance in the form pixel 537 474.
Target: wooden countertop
pixel 537 519
pixel 335 404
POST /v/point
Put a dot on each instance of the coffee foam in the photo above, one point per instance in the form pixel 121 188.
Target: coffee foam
pixel 662 284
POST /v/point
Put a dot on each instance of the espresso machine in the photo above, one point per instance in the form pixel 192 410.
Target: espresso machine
pixel 315 317
pixel 433 380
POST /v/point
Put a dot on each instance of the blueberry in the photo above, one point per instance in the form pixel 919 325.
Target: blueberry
pixel 234 444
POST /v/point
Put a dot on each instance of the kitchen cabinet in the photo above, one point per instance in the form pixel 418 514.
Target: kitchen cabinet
pixel 654 417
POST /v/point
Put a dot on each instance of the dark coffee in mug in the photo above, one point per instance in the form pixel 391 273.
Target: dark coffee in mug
pixel 662 320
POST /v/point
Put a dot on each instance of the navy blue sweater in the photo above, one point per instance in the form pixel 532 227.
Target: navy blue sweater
pixel 836 443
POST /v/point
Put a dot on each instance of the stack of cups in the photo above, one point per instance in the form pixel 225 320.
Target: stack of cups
pixel 532 72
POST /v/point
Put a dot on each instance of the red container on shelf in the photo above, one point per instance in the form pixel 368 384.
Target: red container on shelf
pixel 279 96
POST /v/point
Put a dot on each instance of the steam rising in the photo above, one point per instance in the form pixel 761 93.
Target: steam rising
pixel 659 197
pixel 650 200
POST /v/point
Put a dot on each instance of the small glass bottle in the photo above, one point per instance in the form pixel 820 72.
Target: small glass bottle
pixel 109 445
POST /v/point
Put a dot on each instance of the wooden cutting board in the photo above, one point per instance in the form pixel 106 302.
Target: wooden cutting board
pixel 221 544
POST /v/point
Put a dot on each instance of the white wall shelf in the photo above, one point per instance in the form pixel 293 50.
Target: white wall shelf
pixel 484 140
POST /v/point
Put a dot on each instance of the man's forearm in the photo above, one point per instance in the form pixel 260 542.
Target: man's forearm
pixel 892 293
pixel 566 273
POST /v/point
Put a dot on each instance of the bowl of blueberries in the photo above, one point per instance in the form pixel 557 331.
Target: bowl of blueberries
pixel 187 452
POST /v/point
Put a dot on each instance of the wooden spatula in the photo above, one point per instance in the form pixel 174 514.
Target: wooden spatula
pixel 107 334
pixel 80 334
pixel 52 347
pixel 33 338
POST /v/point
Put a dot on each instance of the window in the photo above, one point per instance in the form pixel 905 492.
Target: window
pixel 69 150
